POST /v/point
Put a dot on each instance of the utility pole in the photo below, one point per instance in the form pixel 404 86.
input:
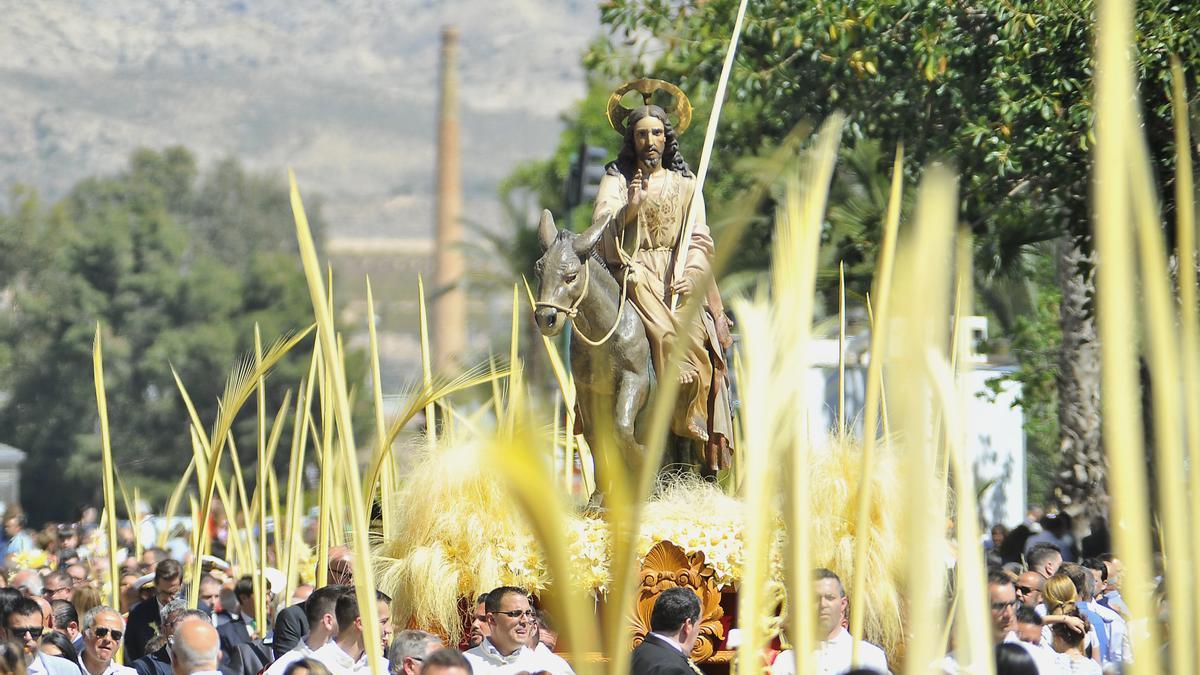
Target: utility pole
pixel 449 304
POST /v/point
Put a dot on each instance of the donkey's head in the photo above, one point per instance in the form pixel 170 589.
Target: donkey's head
pixel 560 271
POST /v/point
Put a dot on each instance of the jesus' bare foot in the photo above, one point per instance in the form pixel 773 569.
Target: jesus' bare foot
pixel 687 375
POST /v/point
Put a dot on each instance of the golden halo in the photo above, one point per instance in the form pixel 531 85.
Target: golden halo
pixel 681 108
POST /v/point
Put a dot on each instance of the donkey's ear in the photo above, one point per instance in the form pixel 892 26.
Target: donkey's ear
pixel 547 232
pixel 586 242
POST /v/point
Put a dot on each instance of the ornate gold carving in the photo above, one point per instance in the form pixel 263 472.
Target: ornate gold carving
pixel 681 108
pixel 667 566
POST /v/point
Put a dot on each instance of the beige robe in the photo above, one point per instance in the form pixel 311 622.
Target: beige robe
pixel 644 252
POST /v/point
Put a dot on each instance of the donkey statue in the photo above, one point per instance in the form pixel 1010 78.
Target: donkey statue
pixel 610 355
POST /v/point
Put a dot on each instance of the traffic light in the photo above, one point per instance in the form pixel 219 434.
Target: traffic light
pixel 583 181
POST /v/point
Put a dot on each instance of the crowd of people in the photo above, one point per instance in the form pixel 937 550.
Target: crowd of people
pixel 1056 603
pixel 1052 611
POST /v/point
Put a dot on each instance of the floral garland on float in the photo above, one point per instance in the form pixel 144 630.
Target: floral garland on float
pixel 458 533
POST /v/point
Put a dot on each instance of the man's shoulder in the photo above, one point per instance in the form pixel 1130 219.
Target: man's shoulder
pixel 118 669
pixel 144 609
pixel 295 611
pixel 1108 614
pixel 547 656
pixel 653 655
pixel 286 659
pixel 872 654
pixel 150 664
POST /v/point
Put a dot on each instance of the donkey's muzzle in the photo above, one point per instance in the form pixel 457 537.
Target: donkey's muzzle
pixel 550 321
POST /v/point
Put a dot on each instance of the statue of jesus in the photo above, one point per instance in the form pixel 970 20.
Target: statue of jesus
pixel 643 200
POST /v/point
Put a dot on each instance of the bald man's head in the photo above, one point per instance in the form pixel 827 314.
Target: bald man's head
pixel 196 647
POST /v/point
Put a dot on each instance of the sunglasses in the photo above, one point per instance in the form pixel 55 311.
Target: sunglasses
pixel 1025 589
pixel 1001 606
pixel 103 632
pixel 35 633
pixel 518 613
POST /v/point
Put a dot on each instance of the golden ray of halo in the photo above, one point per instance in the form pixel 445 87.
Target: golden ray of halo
pixel 681 108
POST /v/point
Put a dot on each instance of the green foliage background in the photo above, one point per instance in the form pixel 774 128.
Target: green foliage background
pixel 177 265
pixel 999 89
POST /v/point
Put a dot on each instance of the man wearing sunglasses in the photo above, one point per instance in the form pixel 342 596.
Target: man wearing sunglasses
pixel 506 650
pixel 24 626
pixel 103 629
pixel 1029 589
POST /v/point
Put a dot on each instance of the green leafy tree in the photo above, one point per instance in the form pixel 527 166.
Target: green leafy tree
pixel 1000 89
pixel 177 266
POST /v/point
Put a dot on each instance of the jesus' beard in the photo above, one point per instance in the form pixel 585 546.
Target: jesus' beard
pixel 651 160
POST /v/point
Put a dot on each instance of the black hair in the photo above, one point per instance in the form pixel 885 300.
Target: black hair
pixel 347 609
pixel 626 162
pixel 323 601
pixel 497 595
pixel 8 598
pixel 168 570
pixel 672 607
pixel 482 600
pixel 1013 659
pixel 1098 565
pixel 446 658
pixel 63 643
pixel 1040 554
pixel 63 613
pixel 244 587
pixel 24 607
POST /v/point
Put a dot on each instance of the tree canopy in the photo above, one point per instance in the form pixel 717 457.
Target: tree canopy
pixel 177 265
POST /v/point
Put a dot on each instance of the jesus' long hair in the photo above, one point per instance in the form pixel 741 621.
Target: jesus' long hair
pixel 626 161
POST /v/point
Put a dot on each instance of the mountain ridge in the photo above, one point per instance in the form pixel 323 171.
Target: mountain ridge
pixel 344 91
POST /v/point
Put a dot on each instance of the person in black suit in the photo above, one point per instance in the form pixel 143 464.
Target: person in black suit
pixel 674 627
pixel 158 660
pixel 144 621
pixel 291 624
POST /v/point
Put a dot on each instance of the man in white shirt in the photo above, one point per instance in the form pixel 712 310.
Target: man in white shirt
pixel 347 653
pixel 506 651
pixel 319 610
pixel 103 629
pixel 196 648
pixel 834 651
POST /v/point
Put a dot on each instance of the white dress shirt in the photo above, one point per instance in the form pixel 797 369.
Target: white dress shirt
pixel 300 651
pixel 487 660
pixel 832 656
pixel 111 669
pixel 340 663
